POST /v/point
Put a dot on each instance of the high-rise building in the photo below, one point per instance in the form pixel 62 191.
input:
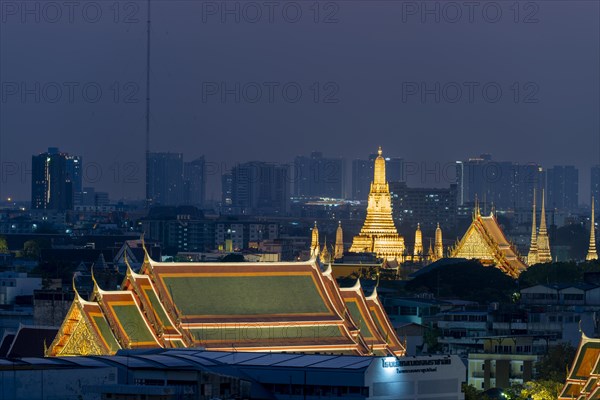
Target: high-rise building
pixel 194 182
pixel 51 184
pixel 426 206
pixel 165 178
pixel 260 187
pixel 595 185
pixel 361 179
pixel 562 185
pixel 503 184
pixel 318 176
pixel 362 174
pixel 74 166
pixel 88 196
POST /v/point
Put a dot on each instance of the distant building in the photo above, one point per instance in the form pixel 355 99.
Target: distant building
pixel 562 187
pixel 179 229
pixel 505 361
pixel 595 184
pixel 318 176
pixel 52 186
pixel 362 174
pixel 165 179
pixel 194 182
pixel 427 206
pixel 88 196
pixel 242 233
pixel 13 284
pixel 259 188
pixel 503 184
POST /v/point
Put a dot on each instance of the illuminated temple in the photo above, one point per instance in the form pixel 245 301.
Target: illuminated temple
pixel 378 234
pixel 583 379
pixel 485 241
pixel 270 306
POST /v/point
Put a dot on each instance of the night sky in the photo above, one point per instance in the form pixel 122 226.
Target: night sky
pixel 364 69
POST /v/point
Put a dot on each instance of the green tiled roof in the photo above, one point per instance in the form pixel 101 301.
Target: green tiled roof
pixel 106 333
pixel 382 330
pixel 245 295
pixel 158 308
pixel 358 319
pixel 244 333
pixel 133 323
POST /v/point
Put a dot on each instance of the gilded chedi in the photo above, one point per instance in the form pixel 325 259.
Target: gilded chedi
pixel 378 234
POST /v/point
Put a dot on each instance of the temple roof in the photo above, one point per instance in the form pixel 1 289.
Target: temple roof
pixel 485 240
pixel 271 306
pixel 584 375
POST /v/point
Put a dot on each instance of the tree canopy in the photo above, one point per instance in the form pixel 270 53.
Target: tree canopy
pixel 467 280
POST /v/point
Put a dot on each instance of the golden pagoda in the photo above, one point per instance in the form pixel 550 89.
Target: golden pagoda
pixel 324 256
pixel 485 241
pixel 532 257
pixel 378 234
pixel 592 254
pixel 314 242
pixel 418 250
pixel 430 253
pixel 439 247
pixel 543 243
pixel 339 242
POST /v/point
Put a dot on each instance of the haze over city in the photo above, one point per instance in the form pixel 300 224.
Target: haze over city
pixel 372 85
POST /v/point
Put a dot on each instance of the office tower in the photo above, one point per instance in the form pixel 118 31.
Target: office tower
pixel 426 206
pixel 562 183
pixel 503 184
pixel 595 185
pixel 165 178
pixel 194 181
pixel 318 176
pixel 51 184
pixel 261 188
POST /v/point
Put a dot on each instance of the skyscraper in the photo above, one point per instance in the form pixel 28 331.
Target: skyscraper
pixel 318 176
pixel 260 187
pixel 51 184
pixel 562 183
pixel 504 184
pixel 595 185
pixel 165 178
pixel 194 182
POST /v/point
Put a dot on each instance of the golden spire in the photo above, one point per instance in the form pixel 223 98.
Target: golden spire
pixel 430 252
pixel 314 244
pixel 476 211
pixel 379 234
pixel 592 254
pixel 532 257
pixel 324 256
pixel 339 242
pixel 543 243
pixel 379 174
pixel 418 251
pixel 439 247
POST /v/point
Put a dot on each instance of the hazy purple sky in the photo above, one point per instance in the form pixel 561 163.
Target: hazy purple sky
pixel 373 58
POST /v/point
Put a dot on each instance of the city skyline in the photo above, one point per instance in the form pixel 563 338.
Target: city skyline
pixel 436 175
pixel 378 94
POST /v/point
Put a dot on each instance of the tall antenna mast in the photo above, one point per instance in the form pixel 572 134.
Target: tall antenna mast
pixel 148 199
